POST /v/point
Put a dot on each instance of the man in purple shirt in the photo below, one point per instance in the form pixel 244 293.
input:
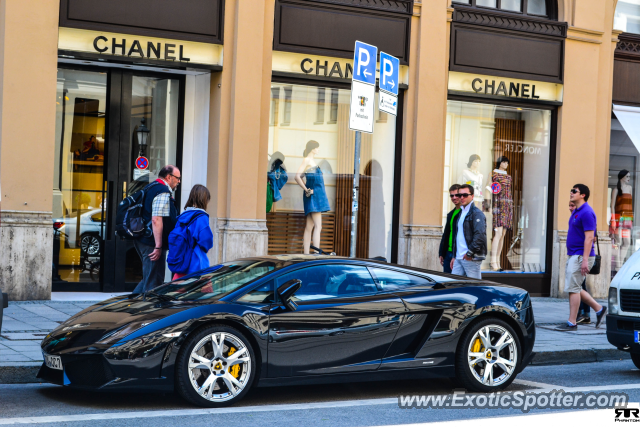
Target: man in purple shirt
pixel 581 256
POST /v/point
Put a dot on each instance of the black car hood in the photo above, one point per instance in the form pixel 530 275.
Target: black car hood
pixel 89 326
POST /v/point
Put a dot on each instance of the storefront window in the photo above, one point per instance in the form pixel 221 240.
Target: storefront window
pixel 309 139
pixel 78 197
pixel 81 181
pixel 503 152
pixel 623 184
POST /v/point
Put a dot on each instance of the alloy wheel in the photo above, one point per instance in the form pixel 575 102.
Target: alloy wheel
pixel 492 355
pixel 90 245
pixel 219 366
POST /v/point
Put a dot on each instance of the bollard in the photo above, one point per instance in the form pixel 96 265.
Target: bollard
pixel 4 303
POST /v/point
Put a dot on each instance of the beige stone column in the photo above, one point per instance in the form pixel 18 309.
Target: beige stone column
pixel 28 66
pixel 424 135
pixel 238 138
pixel 584 123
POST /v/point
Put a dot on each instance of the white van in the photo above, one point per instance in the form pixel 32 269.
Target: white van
pixel 623 317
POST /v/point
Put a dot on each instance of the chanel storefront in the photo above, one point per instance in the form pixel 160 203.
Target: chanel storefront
pixel 309 134
pixel 127 103
pixel 251 99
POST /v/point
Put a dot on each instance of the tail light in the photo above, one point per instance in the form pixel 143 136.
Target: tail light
pixel 57 225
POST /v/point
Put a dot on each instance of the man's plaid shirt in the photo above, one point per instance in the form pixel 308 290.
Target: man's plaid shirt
pixel 160 206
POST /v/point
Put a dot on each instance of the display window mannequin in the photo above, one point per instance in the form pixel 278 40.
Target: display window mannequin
pixel 622 217
pixel 473 177
pixel 314 195
pixel 502 189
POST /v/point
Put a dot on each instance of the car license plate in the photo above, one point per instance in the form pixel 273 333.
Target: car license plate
pixel 636 336
pixel 53 362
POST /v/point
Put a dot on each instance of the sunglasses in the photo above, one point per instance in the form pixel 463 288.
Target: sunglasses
pixel 574 191
pixel 463 195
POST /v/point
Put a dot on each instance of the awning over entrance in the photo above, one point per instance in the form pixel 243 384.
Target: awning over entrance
pixel 629 118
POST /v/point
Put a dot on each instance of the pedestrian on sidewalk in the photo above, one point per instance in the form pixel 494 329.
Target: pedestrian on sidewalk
pixel 470 236
pixel 446 243
pixel 584 313
pixel 160 210
pixel 581 257
pixel 192 237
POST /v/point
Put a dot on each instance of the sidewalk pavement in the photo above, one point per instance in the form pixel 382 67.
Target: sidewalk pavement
pixel 26 323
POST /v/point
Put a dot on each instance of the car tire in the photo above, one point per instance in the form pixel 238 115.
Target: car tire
pixel 205 372
pixel 635 358
pixel 90 244
pixel 475 353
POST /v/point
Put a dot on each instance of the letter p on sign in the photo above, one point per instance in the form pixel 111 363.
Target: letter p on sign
pixel 363 61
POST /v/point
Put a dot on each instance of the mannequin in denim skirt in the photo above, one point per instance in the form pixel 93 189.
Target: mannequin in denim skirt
pixel 314 195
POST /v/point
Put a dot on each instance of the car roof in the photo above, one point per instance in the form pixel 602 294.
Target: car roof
pixel 298 258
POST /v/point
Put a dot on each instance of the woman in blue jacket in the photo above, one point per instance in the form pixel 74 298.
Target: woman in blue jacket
pixel 193 226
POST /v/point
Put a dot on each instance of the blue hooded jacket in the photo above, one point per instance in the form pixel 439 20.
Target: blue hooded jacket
pixel 201 232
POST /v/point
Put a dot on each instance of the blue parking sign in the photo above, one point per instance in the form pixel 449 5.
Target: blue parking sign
pixel 389 73
pixel 365 58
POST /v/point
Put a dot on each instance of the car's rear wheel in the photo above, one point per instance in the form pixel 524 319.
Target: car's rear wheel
pixel 215 367
pixel 488 356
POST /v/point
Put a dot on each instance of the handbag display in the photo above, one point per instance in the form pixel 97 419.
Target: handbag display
pixel 596 265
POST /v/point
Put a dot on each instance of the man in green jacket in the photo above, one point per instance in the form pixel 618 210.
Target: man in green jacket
pixel 446 243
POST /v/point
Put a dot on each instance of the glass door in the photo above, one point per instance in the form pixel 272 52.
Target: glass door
pixel 149 105
pixel 154 108
pixel 99 118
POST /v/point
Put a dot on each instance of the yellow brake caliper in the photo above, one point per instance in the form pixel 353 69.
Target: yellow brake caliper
pixel 235 369
pixel 477 346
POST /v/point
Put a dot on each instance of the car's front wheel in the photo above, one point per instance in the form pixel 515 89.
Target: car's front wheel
pixel 488 356
pixel 215 367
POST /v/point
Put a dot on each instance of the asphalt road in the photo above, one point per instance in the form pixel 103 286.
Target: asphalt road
pixel 361 404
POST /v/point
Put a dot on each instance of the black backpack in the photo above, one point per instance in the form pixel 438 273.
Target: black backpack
pixel 129 221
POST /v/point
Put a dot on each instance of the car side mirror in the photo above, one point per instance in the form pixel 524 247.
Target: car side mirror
pixel 287 290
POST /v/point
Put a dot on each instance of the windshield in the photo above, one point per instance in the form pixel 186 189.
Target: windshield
pixel 228 277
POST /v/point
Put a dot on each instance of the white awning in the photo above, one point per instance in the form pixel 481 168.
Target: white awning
pixel 629 118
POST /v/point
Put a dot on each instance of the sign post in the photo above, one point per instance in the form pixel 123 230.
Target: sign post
pixel 389 74
pixel 363 92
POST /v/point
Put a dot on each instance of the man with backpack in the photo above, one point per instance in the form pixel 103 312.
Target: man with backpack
pixel 160 213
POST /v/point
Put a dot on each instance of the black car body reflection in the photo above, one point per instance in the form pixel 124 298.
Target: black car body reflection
pixel 353 325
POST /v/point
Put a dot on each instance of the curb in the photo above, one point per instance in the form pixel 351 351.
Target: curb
pixel 568 357
pixel 19 374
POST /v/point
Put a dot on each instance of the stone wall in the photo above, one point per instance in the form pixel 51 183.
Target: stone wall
pixel 419 245
pixel 597 285
pixel 239 238
pixel 26 254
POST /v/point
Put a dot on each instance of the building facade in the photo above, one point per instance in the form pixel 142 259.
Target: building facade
pixel 511 96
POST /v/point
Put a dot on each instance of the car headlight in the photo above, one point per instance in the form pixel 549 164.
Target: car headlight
pixel 613 300
pixel 117 334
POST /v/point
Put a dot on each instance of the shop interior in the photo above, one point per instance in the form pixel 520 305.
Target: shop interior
pixel 503 152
